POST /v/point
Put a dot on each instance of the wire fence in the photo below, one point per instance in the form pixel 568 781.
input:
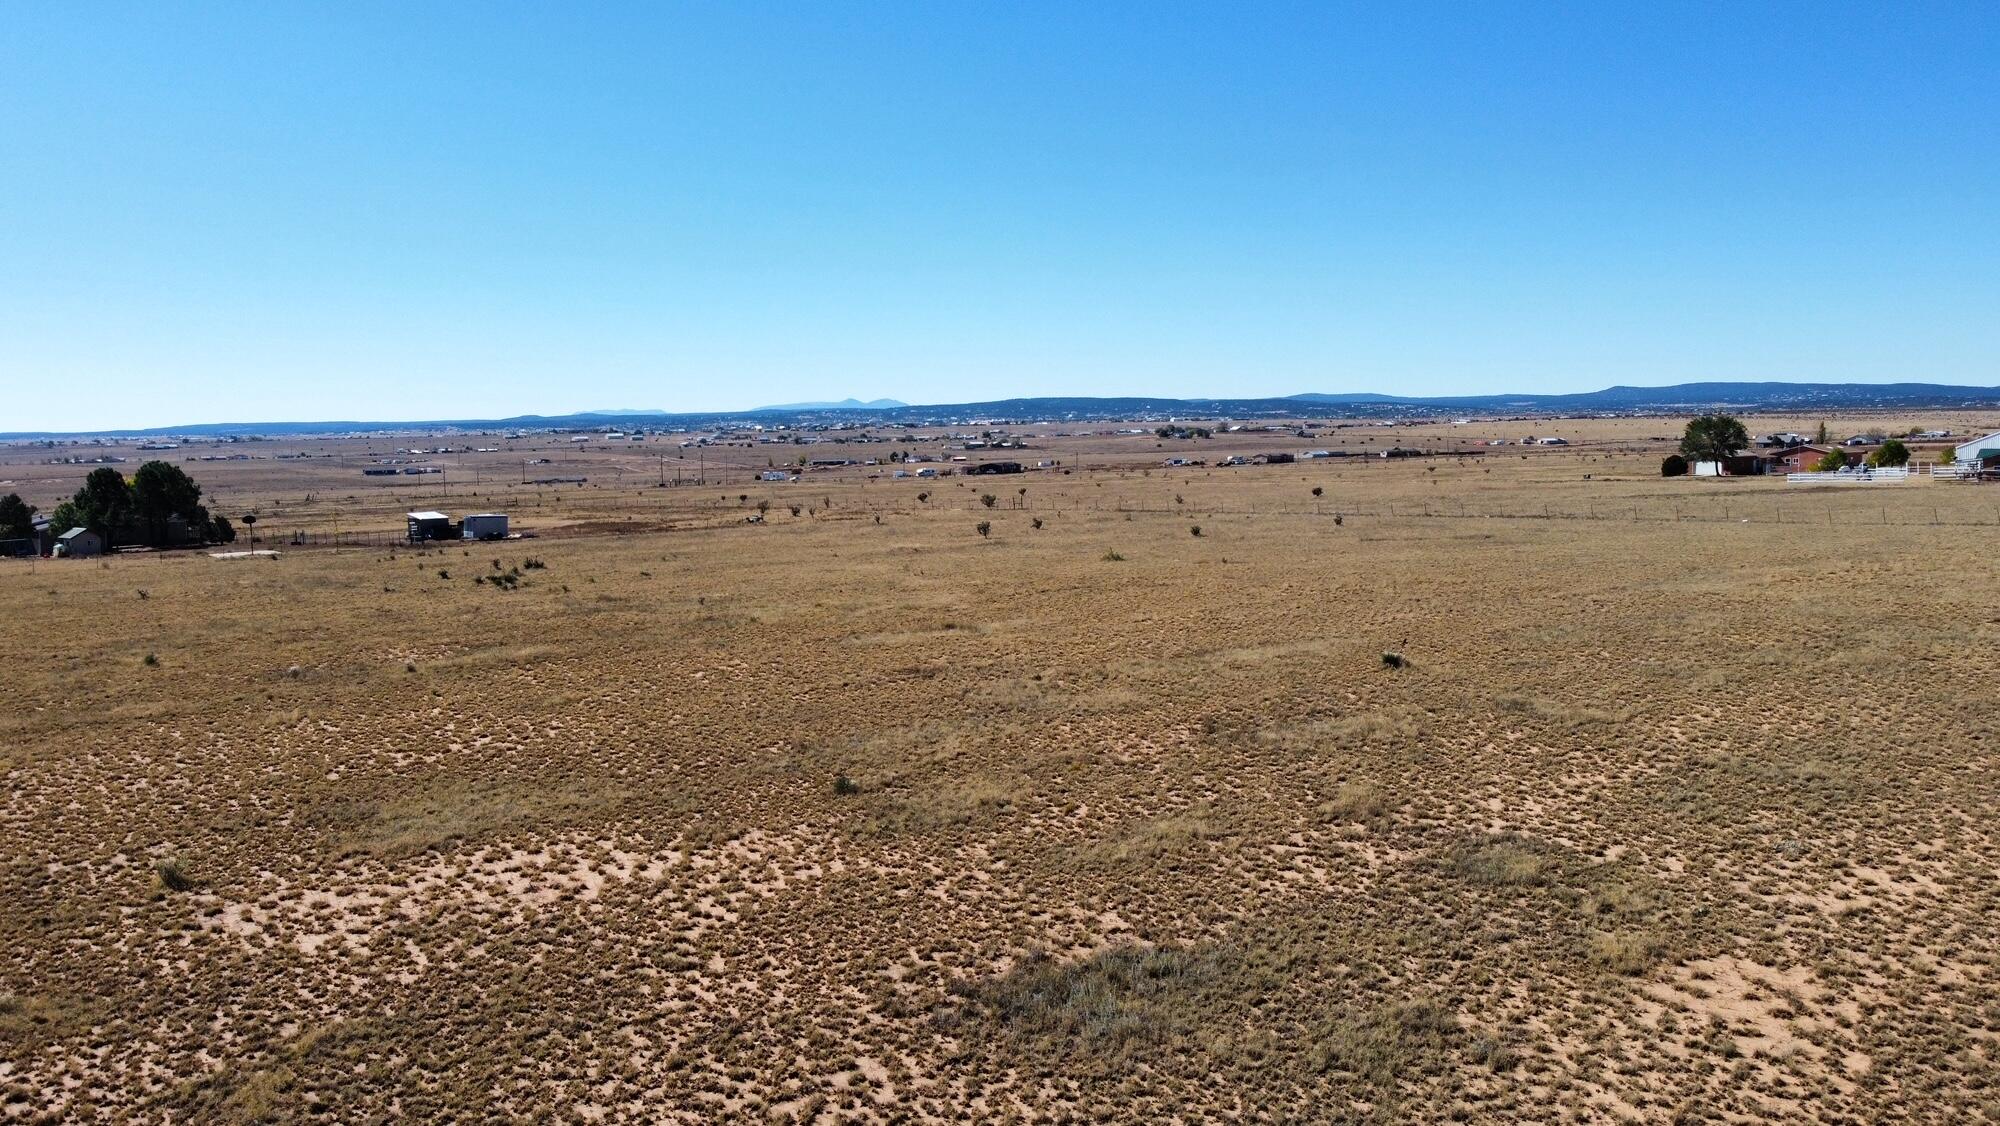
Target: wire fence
pixel 1799 513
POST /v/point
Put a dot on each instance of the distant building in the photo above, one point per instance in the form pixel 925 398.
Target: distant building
pixel 79 543
pixel 485 526
pixel 991 467
pixel 1798 459
pixel 1984 452
pixel 428 526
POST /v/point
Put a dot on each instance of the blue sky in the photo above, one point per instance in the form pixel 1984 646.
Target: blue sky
pixel 298 211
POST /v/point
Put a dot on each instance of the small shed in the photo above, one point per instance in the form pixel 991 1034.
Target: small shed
pixel 486 526
pixel 429 526
pixel 79 543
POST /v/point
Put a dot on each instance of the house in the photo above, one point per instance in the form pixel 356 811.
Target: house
pixel 774 475
pixel 1864 440
pixel 1552 441
pixel 1279 459
pixel 79 543
pixel 485 526
pixel 1735 465
pixel 1800 458
pixel 428 526
pixel 991 467
pixel 1983 452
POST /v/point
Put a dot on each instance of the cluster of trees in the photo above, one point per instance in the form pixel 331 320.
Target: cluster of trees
pixel 1715 437
pixel 1183 432
pixel 151 508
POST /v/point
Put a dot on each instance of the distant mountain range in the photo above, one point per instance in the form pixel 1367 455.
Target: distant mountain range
pixel 842 405
pixel 1681 398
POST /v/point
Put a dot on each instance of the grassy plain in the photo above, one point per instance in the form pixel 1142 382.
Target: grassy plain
pixel 1678 808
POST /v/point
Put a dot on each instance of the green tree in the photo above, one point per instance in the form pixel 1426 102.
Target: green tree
pixel 1673 465
pixel 66 516
pixel 1833 462
pixel 17 518
pixel 161 492
pixel 104 504
pixel 1819 438
pixel 1713 437
pixel 1893 453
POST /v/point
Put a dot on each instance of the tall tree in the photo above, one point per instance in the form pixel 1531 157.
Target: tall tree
pixel 17 518
pixel 1713 437
pixel 1893 453
pixel 161 492
pixel 104 503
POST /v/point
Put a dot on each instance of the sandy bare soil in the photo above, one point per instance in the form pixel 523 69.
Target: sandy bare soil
pixel 1676 803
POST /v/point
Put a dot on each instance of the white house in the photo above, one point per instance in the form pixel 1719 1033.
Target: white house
pixel 79 543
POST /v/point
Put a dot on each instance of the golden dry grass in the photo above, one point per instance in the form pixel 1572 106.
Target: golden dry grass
pixel 834 819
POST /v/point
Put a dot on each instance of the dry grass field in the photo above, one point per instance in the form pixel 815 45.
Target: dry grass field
pixel 1531 788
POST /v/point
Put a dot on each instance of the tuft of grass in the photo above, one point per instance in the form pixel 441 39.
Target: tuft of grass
pixel 1111 556
pixel 1384 1043
pixel 1629 953
pixel 1395 660
pixel 1357 801
pixel 845 786
pixel 1106 1007
pixel 1502 861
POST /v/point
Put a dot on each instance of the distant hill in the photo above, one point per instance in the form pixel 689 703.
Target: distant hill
pixel 842 405
pixel 1681 398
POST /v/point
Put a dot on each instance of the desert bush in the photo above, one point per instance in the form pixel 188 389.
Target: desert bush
pixel 984 527
pixel 173 874
pixel 1111 556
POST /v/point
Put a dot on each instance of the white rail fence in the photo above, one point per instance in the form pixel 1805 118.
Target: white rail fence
pixel 1852 477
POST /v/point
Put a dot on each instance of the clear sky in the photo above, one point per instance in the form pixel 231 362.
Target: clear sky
pixel 276 211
